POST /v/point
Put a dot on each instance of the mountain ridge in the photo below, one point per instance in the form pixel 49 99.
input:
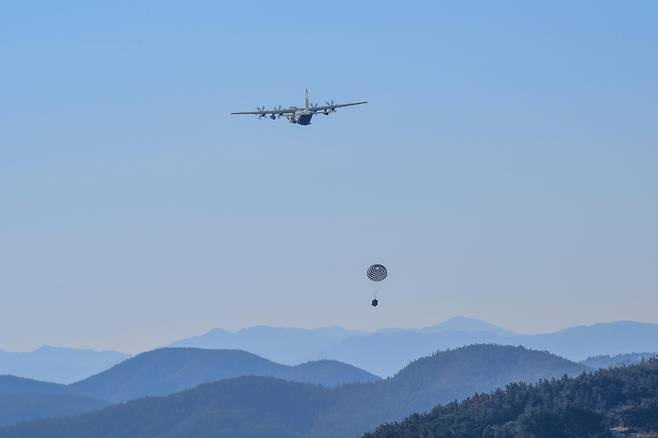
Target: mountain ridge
pixel 166 371
pixel 24 399
pixel 58 364
pixel 266 407
pixel 384 352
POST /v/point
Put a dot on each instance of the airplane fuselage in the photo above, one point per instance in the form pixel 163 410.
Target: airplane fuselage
pixel 300 117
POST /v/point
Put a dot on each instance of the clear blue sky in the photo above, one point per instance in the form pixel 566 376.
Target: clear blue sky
pixel 505 167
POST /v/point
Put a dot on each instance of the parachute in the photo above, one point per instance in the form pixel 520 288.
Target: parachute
pixel 376 273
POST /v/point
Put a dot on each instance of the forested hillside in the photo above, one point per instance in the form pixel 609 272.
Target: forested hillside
pixel 586 406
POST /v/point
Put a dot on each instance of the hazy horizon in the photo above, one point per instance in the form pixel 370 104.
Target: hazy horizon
pixel 504 167
pixel 366 331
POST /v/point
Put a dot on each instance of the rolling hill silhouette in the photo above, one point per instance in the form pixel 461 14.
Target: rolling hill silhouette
pixel 58 364
pixel 578 343
pixel 158 372
pixel 169 370
pixel 269 407
pixel 618 360
pixel 13 385
pixel 25 399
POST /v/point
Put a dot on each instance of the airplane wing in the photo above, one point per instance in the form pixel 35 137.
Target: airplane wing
pixel 319 109
pixel 285 111
pixel 265 112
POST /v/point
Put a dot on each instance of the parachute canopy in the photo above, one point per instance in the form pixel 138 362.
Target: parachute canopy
pixel 377 272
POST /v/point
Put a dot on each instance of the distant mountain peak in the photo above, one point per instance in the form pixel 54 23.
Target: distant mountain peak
pixel 46 347
pixel 465 324
pixel 217 330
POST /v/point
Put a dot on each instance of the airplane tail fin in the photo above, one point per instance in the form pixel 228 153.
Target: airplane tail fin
pixel 306 105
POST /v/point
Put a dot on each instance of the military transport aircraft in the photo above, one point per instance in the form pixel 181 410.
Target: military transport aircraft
pixel 299 116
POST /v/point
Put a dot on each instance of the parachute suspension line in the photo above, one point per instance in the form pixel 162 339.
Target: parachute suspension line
pixel 375 289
